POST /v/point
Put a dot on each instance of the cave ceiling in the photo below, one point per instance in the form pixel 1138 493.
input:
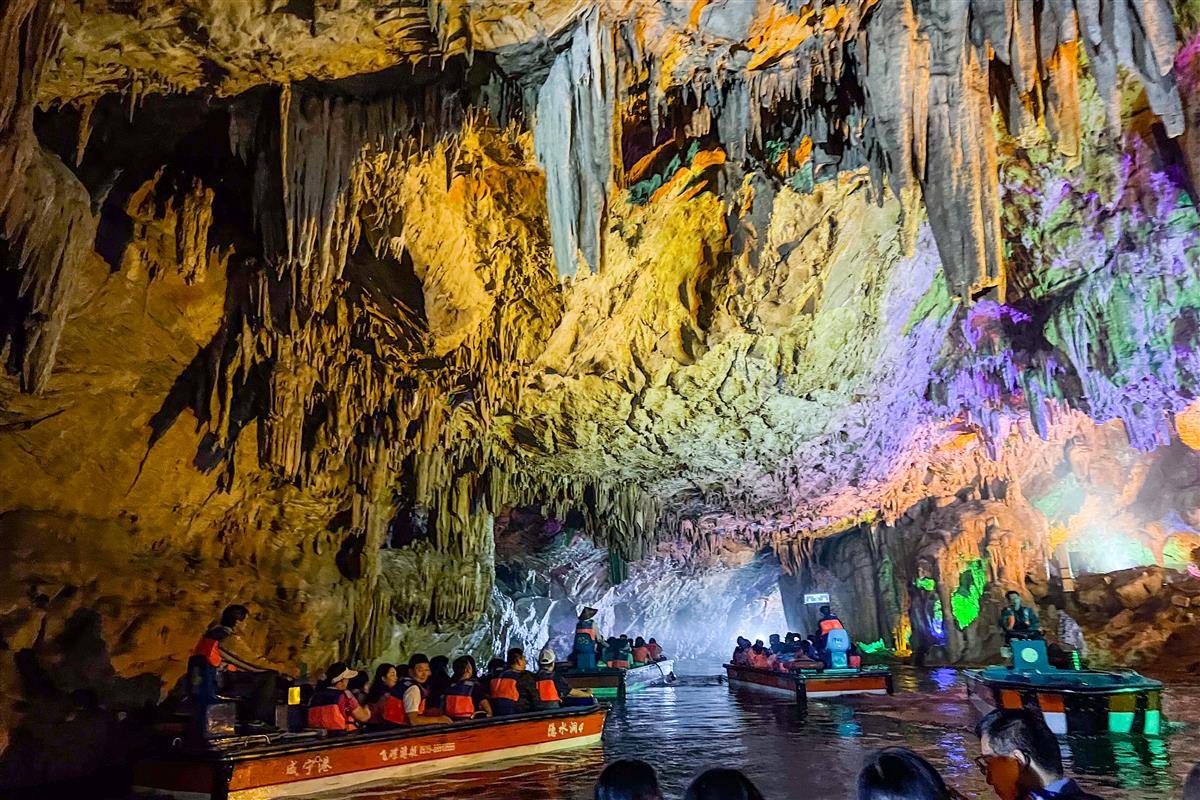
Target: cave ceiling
pixel 770 265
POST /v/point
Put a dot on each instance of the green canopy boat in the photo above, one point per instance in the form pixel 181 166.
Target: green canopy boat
pixel 1080 701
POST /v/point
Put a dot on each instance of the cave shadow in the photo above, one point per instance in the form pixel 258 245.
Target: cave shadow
pixel 77 722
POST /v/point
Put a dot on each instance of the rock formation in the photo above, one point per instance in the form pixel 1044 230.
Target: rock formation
pixel 421 323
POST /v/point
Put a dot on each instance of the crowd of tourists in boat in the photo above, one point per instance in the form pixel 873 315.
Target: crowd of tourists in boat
pixel 592 650
pixel 421 691
pixel 1018 756
pixel 793 650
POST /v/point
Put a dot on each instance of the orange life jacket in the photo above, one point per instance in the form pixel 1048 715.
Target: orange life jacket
pixel 324 712
pixel 504 687
pixel 209 650
pixel 460 703
pixel 587 627
pixel 828 625
pixel 547 690
pixel 504 693
pixel 641 654
pixel 759 660
pixel 655 650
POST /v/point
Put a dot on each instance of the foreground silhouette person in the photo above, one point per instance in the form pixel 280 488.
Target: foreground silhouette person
pixel 627 779
pixel 897 773
pixel 722 784
pixel 1021 759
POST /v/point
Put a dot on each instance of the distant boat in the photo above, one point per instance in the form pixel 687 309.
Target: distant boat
pixel 1071 701
pixel 293 764
pixel 616 682
pixel 805 684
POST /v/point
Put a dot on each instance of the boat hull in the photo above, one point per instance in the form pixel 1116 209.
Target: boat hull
pixel 815 685
pixel 1135 708
pixel 340 761
pixel 617 682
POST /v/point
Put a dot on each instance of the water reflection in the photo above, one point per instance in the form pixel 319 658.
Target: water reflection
pixel 700 722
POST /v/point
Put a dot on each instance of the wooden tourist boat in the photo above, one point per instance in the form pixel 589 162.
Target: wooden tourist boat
pixel 806 684
pixel 1071 701
pixel 618 681
pixel 290 765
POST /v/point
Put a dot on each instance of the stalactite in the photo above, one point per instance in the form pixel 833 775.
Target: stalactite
pixel 575 133
pixel 46 221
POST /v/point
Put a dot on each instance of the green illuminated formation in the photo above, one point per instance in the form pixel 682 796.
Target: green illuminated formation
pixel 926 584
pixel 877 646
pixel 964 603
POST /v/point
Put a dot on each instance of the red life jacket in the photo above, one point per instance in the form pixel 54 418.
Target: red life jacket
pixel 828 625
pixel 547 690
pixel 460 703
pixel 641 654
pixel 655 650
pixel 324 711
pixel 389 708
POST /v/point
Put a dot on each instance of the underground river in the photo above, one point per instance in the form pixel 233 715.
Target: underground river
pixel 699 722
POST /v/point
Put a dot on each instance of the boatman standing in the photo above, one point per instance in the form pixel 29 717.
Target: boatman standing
pixel 585 639
pixel 1017 621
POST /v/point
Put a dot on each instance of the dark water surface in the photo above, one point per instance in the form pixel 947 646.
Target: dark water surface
pixel 700 723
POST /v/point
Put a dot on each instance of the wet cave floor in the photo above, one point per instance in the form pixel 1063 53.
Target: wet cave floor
pixel 699 723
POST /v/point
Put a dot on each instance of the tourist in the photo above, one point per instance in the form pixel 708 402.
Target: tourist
pixel 656 651
pixel 586 638
pixel 722 784
pixel 758 656
pixel 332 707
pixel 897 773
pixel 828 622
pixel 641 653
pixel 627 779
pixel 494 668
pixel 462 700
pixel 386 678
pixel 1191 785
pixel 439 680
pixel 741 653
pixel 218 664
pixel 1021 758
pixel 414 692
pixel 357 687
pixel 1017 621
pixel 551 687
pixel 513 691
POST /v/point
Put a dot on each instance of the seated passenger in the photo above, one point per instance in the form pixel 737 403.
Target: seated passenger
pixel 758 656
pixel 641 653
pixel 439 680
pixel 625 653
pixel 741 653
pixel 494 668
pixel 551 687
pixel 514 690
pixel 386 678
pixel 332 707
pixel 656 651
pixel 357 687
pixel 414 691
pixel 462 696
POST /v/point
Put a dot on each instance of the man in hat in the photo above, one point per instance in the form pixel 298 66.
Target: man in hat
pixel 551 687
pixel 586 637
